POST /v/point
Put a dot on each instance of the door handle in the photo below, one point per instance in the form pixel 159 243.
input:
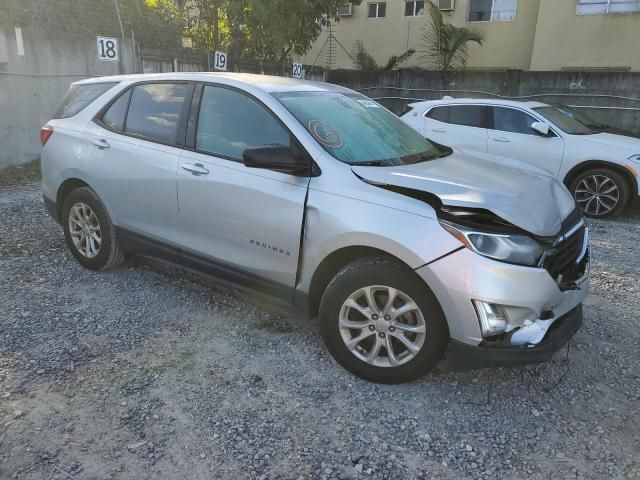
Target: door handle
pixel 195 168
pixel 501 139
pixel 439 130
pixel 100 143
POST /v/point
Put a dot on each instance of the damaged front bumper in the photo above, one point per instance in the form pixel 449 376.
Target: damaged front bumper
pixel 558 334
pixel 540 314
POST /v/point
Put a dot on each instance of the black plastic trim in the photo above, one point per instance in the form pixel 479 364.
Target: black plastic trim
pixel 52 209
pixel 136 243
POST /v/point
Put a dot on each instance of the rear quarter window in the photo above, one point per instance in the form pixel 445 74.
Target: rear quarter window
pixel 79 97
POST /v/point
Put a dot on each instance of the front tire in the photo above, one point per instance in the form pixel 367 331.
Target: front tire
pixel 89 232
pixel 600 192
pixel 381 322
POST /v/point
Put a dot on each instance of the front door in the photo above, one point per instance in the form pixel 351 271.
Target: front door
pixel 247 222
pixel 512 136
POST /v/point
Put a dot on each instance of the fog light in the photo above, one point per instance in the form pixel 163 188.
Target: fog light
pixel 492 321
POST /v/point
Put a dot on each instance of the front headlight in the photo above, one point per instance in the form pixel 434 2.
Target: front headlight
pixel 518 249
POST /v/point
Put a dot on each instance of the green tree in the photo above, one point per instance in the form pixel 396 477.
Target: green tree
pixel 365 62
pixel 268 31
pixel 446 47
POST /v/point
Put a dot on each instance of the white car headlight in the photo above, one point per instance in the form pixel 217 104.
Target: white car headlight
pixel 518 249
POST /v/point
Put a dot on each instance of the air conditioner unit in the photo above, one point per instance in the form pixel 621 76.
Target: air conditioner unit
pixel 446 5
pixel 345 9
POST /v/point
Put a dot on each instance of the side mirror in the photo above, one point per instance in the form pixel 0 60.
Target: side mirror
pixel 276 157
pixel 541 128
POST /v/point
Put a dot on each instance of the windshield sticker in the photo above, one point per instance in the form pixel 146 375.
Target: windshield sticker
pixel 369 103
pixel 325 135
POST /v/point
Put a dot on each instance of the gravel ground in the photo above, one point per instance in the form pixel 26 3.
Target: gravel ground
pixel 150 372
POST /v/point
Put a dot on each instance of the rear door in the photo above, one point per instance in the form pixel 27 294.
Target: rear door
pixel 461 126
pixel 132 153
pixel 511 135
pixel 245 223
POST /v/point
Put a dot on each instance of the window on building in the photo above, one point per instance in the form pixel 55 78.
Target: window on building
pixel 377 9
pixel 230 122
pixel 602 7
pixel 492 10
pixel 413 9
pixel 512 120
pixel 154 111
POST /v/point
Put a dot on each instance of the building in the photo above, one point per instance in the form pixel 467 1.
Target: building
pixel 520 34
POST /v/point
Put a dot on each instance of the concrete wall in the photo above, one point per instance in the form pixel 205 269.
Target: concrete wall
pixel 610 97
pixel 567 40
pixel 32 85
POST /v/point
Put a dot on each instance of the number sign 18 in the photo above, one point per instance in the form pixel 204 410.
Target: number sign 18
pixel 108 49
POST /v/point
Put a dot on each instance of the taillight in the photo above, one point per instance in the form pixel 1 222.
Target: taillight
pixel 45 134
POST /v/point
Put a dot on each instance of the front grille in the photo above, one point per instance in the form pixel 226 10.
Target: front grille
pixel 563 261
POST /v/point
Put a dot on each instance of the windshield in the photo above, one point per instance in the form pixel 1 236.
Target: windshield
pixel 564 121
pixel 580 116
pixel 357 130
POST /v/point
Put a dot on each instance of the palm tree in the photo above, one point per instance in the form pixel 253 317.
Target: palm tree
pixel 365 61
pixel 447 46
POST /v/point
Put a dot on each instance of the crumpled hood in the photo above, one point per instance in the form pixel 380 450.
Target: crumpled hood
pixel 518 192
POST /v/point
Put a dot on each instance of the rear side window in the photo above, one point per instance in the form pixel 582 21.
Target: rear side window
pixel 79 97
pixel 512 120
pixel 114 117
pixel 155 110
pixel 441 114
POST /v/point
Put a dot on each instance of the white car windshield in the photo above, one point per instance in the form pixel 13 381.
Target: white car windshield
pixel 356 130
pixel 564 121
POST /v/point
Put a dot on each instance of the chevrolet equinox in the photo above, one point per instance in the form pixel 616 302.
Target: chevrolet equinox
pixel 319 196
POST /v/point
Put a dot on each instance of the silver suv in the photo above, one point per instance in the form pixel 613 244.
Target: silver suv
pixel 318 196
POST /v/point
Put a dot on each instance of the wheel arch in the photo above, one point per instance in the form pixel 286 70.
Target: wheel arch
pixel 631 180
pixel 68 186
pixel 332 264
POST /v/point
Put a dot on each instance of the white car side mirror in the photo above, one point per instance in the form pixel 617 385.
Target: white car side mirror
pixel 541 128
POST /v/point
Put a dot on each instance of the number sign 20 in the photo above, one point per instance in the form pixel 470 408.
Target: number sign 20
pixel 108 49
pixel 297 70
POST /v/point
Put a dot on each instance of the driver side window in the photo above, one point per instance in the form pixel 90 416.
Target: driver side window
pixel 230 122
pixel 512 120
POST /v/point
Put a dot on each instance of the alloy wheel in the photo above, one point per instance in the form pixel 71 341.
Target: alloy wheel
pixel 597 195
pixel 382 326
pixel 84 230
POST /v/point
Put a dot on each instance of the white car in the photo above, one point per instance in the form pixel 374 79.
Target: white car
pixel 600 169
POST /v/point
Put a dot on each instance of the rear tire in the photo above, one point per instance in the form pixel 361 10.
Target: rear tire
pixel 345 304
pixel 600 192
pixel 89 231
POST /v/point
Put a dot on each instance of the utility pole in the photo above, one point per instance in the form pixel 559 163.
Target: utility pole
pixel 119 18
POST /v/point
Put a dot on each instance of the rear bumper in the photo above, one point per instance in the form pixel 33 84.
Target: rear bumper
pixel 481 356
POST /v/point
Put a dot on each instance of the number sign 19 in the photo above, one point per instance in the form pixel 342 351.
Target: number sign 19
pixel 297 70
pixel 220 61
pixel 108 49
